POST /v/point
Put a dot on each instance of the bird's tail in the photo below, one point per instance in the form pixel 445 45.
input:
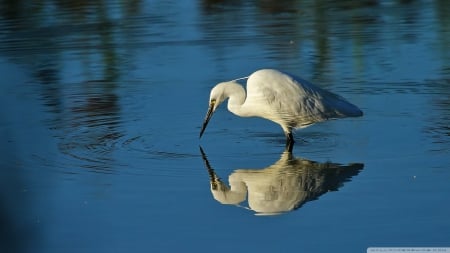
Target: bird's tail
pixel 348 109
pixel 339 106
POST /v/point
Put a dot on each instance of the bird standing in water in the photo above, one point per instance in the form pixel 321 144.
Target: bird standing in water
pixel 282 98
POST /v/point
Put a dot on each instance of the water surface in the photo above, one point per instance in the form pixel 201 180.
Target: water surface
pixel 102 103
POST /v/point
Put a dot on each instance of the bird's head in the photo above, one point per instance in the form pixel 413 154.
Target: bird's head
pixel 216 97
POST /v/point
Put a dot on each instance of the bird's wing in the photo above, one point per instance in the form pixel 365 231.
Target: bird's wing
pixel 294 100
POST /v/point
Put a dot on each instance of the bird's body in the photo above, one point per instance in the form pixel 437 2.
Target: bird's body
pixel 282 98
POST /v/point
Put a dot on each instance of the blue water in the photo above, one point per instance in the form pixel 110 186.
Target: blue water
pixel 101 106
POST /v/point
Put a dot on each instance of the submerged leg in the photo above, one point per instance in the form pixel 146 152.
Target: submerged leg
pixel 289 142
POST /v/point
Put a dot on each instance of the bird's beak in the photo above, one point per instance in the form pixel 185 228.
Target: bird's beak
pixel 207 118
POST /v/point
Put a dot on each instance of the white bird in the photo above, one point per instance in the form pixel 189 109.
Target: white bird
pixel 282 98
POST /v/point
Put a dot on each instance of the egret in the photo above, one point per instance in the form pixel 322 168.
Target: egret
pixel 284 99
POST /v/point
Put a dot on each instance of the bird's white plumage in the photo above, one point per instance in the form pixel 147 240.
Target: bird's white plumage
pixel 285 99
pixel 293 102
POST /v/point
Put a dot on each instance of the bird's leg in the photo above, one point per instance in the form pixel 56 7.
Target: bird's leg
pixel 289 142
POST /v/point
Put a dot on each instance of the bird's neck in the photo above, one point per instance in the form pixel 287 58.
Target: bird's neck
pixel 237 95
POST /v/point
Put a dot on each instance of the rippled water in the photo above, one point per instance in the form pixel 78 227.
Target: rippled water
pixel 101 106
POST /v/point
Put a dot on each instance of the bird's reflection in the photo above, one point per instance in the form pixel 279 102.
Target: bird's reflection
pixel 282 187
